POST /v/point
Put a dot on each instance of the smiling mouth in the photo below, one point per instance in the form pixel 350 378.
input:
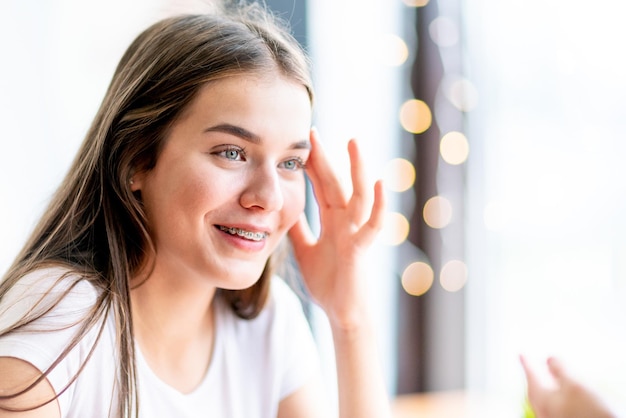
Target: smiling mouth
pixel 253 236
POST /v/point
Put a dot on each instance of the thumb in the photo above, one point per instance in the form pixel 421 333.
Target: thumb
pixel 301 234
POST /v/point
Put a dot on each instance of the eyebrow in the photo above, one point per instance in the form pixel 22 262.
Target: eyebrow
pixel 246 135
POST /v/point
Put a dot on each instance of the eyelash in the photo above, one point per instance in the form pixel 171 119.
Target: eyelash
pixel 300 164
pixel 240 151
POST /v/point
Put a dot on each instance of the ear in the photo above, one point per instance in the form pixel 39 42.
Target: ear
pixel 136 181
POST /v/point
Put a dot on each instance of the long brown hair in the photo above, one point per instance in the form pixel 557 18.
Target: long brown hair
pixel 94 226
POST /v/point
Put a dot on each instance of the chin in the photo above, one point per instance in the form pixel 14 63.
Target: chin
pixel 239 286
pixel 241 280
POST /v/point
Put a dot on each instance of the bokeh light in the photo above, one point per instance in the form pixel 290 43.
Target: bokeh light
pixel 463 95
pixel 416 3
pixel 454 148
pixel 437 212
pixel 453 275
pixel 393 50
pixel 417 278
pixel 399 175
pixel 444 31
pixel 415 116
pixel 395 228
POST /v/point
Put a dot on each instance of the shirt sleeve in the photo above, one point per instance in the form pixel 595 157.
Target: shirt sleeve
pixel 41 342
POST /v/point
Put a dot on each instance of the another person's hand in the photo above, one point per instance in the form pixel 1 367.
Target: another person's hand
pixel 332 265
pixel 567 399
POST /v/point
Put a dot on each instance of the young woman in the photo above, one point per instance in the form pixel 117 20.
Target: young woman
pixel 148 289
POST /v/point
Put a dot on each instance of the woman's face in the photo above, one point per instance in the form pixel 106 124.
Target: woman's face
pixel 229 182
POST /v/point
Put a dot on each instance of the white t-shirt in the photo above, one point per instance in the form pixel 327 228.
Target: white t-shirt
pixel 255 363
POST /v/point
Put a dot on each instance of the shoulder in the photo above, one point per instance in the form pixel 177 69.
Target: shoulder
pixel 43 311
pixel 55 279
pixel 55 304
pixel 17 374
pixel 45 285
pixel 44 300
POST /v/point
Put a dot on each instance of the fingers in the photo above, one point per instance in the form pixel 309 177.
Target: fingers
pixel 557 370
pixel 375 222
pixel 360 192
pixel 361 212
pixel 326 185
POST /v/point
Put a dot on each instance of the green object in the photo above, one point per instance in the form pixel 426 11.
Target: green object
pixel 528 411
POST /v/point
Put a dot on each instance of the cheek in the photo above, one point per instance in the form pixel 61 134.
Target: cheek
pixel 295 199
pixel 197 192
pixel 183 193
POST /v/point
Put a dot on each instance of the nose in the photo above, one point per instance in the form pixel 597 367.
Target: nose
pixel 263 190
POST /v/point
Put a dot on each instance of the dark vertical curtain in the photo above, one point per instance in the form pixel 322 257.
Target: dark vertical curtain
pixel 423 365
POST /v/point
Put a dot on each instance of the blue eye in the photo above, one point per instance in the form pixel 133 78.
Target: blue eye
pixel 293 164
pixel 232 154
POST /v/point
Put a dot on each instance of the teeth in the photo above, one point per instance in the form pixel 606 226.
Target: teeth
pixel 254 236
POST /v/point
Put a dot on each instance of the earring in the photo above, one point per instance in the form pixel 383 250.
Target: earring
pixel 132 182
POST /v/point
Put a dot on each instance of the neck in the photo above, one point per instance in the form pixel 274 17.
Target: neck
pixel 174 327
pixel 168 311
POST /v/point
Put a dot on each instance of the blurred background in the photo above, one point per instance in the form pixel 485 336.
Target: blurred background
pixel 499 127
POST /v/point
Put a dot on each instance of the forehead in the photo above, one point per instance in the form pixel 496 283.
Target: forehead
pixel 252 99
pixel 252 82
